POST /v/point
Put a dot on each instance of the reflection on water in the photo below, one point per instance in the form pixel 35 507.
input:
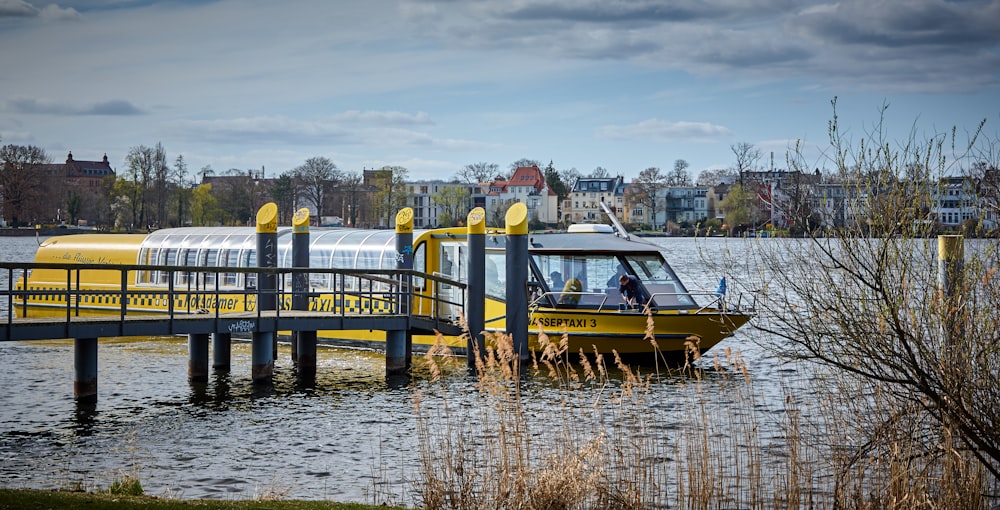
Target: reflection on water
pixel 334 438
pixel 228 437
pixel 224 437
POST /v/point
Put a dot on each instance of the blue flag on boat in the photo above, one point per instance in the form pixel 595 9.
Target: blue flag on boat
pixel 721 291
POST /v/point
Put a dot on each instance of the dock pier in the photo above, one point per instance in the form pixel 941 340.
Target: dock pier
pixel 193 301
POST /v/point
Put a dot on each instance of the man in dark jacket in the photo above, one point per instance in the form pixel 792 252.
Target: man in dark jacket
pixel 628 286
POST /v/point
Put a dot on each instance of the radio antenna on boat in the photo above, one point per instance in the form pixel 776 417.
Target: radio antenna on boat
pixel 619 229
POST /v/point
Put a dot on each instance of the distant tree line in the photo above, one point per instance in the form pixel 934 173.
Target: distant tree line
pixel 151 192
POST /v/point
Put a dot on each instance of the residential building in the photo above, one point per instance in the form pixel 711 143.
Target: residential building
pixel 73 191
pixel 716 194
pixel 428 212
pixel 496 200
pixel 526 185
pixel 837 204
pixel 86 174
pixel 582 205
pixel 955 201
pixel 685 204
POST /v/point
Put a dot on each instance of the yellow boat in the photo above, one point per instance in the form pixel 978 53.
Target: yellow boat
pixel 590 309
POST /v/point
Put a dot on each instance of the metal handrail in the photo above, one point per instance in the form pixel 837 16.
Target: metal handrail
pixel 387 286
pixel 554 296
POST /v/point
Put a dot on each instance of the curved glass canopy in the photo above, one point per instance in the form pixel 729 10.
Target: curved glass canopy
pixel 202 247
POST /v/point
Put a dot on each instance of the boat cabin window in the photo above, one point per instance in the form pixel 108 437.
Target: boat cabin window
pixel 202 249
pixel 659 281
pixel 578 280
pixel 209 258
pixel 420 265
pixel 199 249
pixel 591 280
pixel 230 259
pixel 496 274
pixel 250 279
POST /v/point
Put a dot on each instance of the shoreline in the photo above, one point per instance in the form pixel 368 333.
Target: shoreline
pixel 43 232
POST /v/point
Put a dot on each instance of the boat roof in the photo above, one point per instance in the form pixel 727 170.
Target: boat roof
pixel 361 248
pixel 584 242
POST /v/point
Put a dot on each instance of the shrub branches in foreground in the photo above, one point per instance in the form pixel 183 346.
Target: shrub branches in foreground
pixel 911 375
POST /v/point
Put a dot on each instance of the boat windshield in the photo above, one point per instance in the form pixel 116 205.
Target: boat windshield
pixel 591 280
pixel 660 281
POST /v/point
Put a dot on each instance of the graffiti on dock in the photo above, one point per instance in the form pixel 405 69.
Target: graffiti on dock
pixel 243 326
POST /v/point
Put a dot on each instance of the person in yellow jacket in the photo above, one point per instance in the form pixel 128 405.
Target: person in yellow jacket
pixel 571 292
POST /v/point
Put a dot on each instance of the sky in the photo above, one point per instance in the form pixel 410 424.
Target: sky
pixel 434 85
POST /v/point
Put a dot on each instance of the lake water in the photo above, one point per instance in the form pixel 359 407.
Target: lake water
pixel 225 439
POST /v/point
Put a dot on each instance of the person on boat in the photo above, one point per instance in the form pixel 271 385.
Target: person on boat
pixel 628 286
pixel 557 280
pixel 571 292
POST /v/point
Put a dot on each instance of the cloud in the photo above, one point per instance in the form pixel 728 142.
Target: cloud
pixel 53 12
pixel 384 118
pixel 916 23
pixel 380 129
pixel 916 46
pixel 16 137
pixel 17 9
pixel 31 106
pixel 664 131
pixel 113 107
pixel 274 130
pixel 22 9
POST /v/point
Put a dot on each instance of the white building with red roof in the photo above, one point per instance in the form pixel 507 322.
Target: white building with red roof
pixel 527 185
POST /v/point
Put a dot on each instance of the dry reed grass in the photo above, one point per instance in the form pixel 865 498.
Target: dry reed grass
pixel 602 441
pixel 885 457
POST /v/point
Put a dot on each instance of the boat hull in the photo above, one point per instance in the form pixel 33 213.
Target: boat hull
pixel 633 334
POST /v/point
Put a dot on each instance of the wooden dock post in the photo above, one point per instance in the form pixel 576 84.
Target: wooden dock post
pixel 517 279
pixel 303 342
pixel 85 366
pixel 198 357
pixel 951 262
pixel 397 343
pixel 222 351
pixel 475 308
pixel 951 265
pixel 263 351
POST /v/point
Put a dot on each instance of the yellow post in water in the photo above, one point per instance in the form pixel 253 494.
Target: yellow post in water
pixel 263 348
pixel 951 262
pixel 517 278
pixel 303 342
pixel 300 222
pixel 951 266
pixel 399 344
pixel 475 311
pixel 267 218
